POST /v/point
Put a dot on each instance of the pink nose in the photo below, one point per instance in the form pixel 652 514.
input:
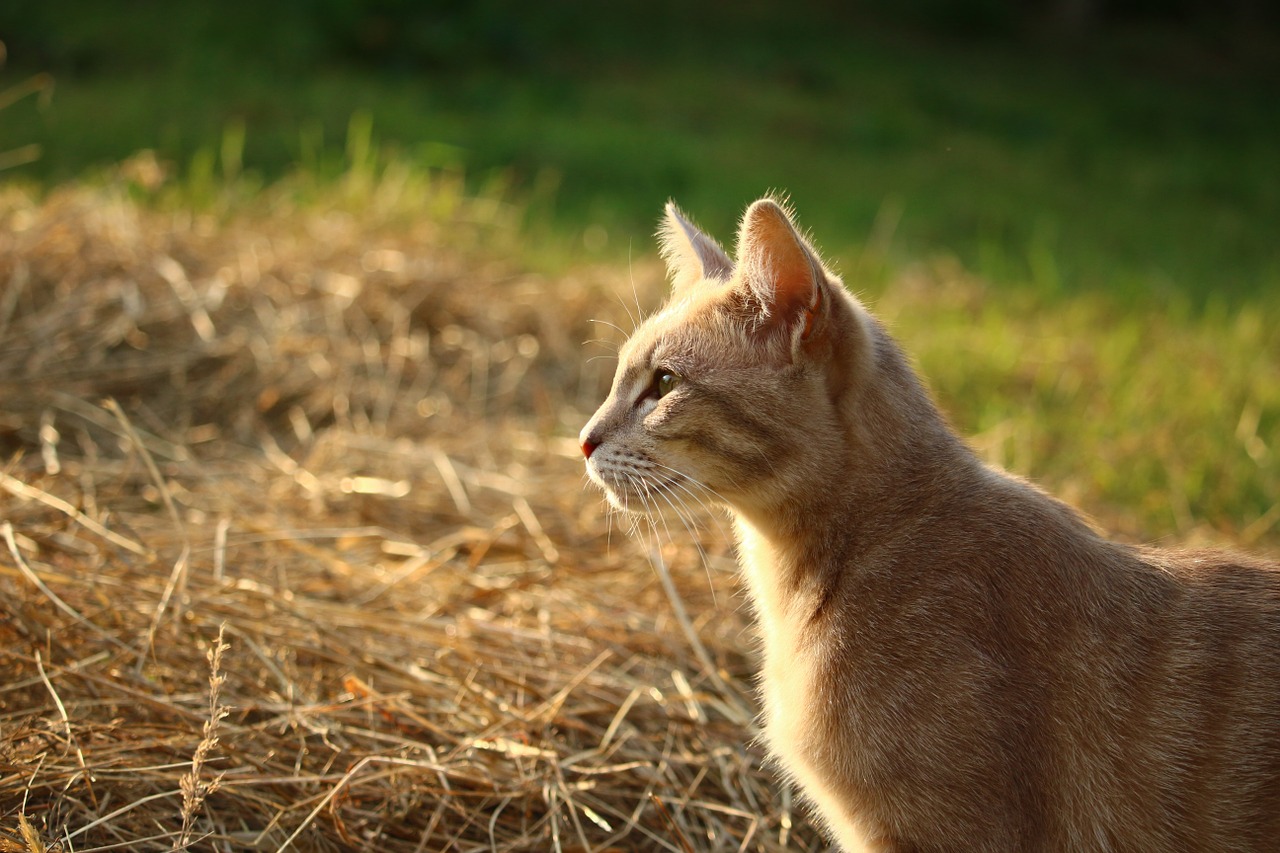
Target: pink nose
pixel 588 447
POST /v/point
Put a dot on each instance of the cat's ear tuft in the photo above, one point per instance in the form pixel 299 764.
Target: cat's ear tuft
pixel 782 270
pixel 691 256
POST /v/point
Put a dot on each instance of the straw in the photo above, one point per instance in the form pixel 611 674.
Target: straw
pixel 316 567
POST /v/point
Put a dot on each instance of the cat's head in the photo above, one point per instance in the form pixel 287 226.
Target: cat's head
pixel 733 392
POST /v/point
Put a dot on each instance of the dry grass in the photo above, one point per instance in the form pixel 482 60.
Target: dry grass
pixel 297 555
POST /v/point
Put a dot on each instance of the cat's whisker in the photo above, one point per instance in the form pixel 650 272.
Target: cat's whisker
pixel 686 478
pixel 637 518
pixel 648 520
pixel 646 493
pixel 719 498
pixel 687 485
pixel 608 530
pixel 685 481
pixel 650 490
pixel 613 326
pixel 609 512
pixel 649 487
pixel 613 345
pixel 626 509
pixel 631 277
pixel 635 322
pixel 675 488
pixel 729 694
pixel 685 517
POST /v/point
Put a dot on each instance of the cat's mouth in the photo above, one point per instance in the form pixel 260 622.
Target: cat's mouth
pixel 620 490
pixel 633 493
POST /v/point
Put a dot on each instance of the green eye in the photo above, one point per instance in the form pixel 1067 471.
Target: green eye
pixel 665 383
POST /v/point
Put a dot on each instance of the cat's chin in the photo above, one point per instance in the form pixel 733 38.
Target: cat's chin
pixel 622 496
pixel 637 509
pixel 625 501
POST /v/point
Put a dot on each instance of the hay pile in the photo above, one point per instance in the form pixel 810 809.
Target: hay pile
pixel 295 551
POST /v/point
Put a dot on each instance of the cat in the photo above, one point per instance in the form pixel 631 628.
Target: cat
pixel 953 660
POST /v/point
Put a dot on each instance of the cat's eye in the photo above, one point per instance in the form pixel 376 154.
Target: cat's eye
pixel 664 383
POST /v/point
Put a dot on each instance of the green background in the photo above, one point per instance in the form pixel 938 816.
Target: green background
pixel 1129 148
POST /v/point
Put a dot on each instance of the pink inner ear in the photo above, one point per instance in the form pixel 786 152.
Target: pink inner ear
pixel 782 271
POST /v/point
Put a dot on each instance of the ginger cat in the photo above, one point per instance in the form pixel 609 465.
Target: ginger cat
pixel 952 659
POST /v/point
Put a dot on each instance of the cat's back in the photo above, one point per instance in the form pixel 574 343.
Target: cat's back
pixel 1212 684
pixel 1177 700
pixel 1090 695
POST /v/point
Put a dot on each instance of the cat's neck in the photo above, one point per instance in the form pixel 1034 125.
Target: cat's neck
pixel 889 461
pixel 895 467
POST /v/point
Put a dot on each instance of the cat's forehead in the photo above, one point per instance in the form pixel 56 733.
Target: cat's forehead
pixel 673 332
pixel 655 344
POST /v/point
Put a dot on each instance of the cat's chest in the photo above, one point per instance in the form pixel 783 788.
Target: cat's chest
pixel 796 686
pixel 792 667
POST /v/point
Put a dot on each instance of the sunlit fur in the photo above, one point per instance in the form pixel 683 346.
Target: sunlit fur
pixel 952 659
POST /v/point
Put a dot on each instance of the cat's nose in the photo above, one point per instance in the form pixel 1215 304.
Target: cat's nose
pixel 589 438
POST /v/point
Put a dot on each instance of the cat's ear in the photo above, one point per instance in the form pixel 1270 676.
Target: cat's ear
pixel 690 255
pixel 785 277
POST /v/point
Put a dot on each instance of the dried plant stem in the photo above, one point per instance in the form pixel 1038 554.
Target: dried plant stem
pixel 16 487
pixel 66 725
pixel 740 710
pixel 194 788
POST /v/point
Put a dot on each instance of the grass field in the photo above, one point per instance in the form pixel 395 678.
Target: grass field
pixel 310 383
pixel 1139 165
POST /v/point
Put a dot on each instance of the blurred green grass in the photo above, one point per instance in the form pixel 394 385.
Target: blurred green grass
pixel 1159 424
pixel 1140 167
